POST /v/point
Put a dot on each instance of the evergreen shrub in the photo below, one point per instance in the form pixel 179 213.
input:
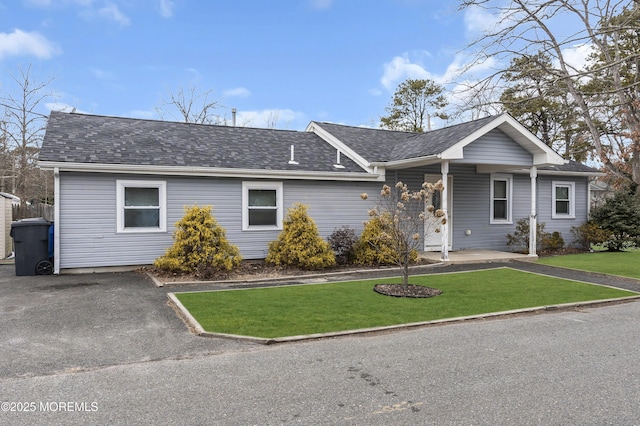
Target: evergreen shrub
pixel 200 245
pixel 300 244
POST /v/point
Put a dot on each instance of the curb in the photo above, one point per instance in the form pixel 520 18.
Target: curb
pixel 193 324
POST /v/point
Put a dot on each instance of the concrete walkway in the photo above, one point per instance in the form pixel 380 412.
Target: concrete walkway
pixel 476 256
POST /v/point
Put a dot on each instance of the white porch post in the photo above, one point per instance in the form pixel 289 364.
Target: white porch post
pixel 533 224
pixel 444 230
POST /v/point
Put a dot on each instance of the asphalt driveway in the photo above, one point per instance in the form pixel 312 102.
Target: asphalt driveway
pixel 52 324
pixel 109 345
pixel 70 323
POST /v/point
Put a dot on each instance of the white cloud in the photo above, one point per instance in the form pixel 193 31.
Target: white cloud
pixel 166 8
pixel 147 115
pixel 102 74
pixel 238 92
pixel 112 12
pixel 267 118
pixel 20 43
pixel 39 3
pixel 576 56
pixel 321 4
pixel 61 106
pixel 478 20
pixel 401 68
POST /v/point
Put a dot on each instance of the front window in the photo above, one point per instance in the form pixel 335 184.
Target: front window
pixel 261 205
pixel 141 206
pixel 563 200
pixel 501 199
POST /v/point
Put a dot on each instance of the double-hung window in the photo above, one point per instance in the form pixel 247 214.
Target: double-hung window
pixel 501 199
pixel 261 205
pixel 141 206
pixel 563 200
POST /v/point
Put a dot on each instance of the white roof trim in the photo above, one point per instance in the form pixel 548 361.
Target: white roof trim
pixel 210 172
pixel 542 154
pixel 410 162
pixel 339 145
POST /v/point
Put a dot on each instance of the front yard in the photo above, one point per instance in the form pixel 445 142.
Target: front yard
pixel 309 309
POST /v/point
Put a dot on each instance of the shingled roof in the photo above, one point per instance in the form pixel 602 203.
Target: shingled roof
pixel 82 138
pixel 377 145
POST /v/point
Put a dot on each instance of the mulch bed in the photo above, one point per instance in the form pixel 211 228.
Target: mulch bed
pixel 249 269
pixel 397 290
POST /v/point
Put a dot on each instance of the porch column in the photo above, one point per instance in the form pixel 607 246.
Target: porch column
pixel 533 224
pixel 444 229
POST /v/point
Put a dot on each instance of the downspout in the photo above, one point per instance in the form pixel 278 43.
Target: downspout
pixel 533 225
pixel 444 168
pixel 56 221
pixel 589 180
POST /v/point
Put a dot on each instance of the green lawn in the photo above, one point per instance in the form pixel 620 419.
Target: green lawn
pixel 297 310
pixel 625 263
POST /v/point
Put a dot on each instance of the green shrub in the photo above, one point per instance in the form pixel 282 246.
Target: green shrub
pixel 551 241
pixel 590 233
pixel 300 244
pixel 200 245
pixel 342 242
pixel 619 217
pixel 546 241
pixel 375 246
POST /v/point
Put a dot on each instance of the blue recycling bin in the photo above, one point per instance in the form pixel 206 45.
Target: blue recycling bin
pixel 33 246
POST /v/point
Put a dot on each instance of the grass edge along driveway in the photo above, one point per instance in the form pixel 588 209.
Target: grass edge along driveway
pixel 277 312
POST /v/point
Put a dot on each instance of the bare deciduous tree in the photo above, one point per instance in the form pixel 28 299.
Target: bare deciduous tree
pixel 526 27
pixel 23 130
pixel 190 105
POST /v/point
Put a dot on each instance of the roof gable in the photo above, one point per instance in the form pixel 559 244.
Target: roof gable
pixel 392 148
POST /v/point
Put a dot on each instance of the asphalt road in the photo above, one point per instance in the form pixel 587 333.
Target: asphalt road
pixel 124 358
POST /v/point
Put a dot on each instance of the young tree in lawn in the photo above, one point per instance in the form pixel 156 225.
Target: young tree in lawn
pixel 404 216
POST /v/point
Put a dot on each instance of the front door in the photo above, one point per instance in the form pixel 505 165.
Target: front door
pixel 432 239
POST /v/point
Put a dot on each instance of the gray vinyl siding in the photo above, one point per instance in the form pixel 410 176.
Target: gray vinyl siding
pixel 471 205
pixel 545 205
pixel 87 223
pixel 493 146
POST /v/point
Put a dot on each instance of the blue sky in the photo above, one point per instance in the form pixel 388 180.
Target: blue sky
pixel 293 60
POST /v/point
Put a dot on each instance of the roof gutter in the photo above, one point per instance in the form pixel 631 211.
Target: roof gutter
pixel 560 173
pixel 209 172
pixel 410 162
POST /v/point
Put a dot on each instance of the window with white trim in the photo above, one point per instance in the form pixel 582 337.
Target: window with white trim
pixel 501 199
pixel 563 200
pixel 141 206
pixel 261 205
